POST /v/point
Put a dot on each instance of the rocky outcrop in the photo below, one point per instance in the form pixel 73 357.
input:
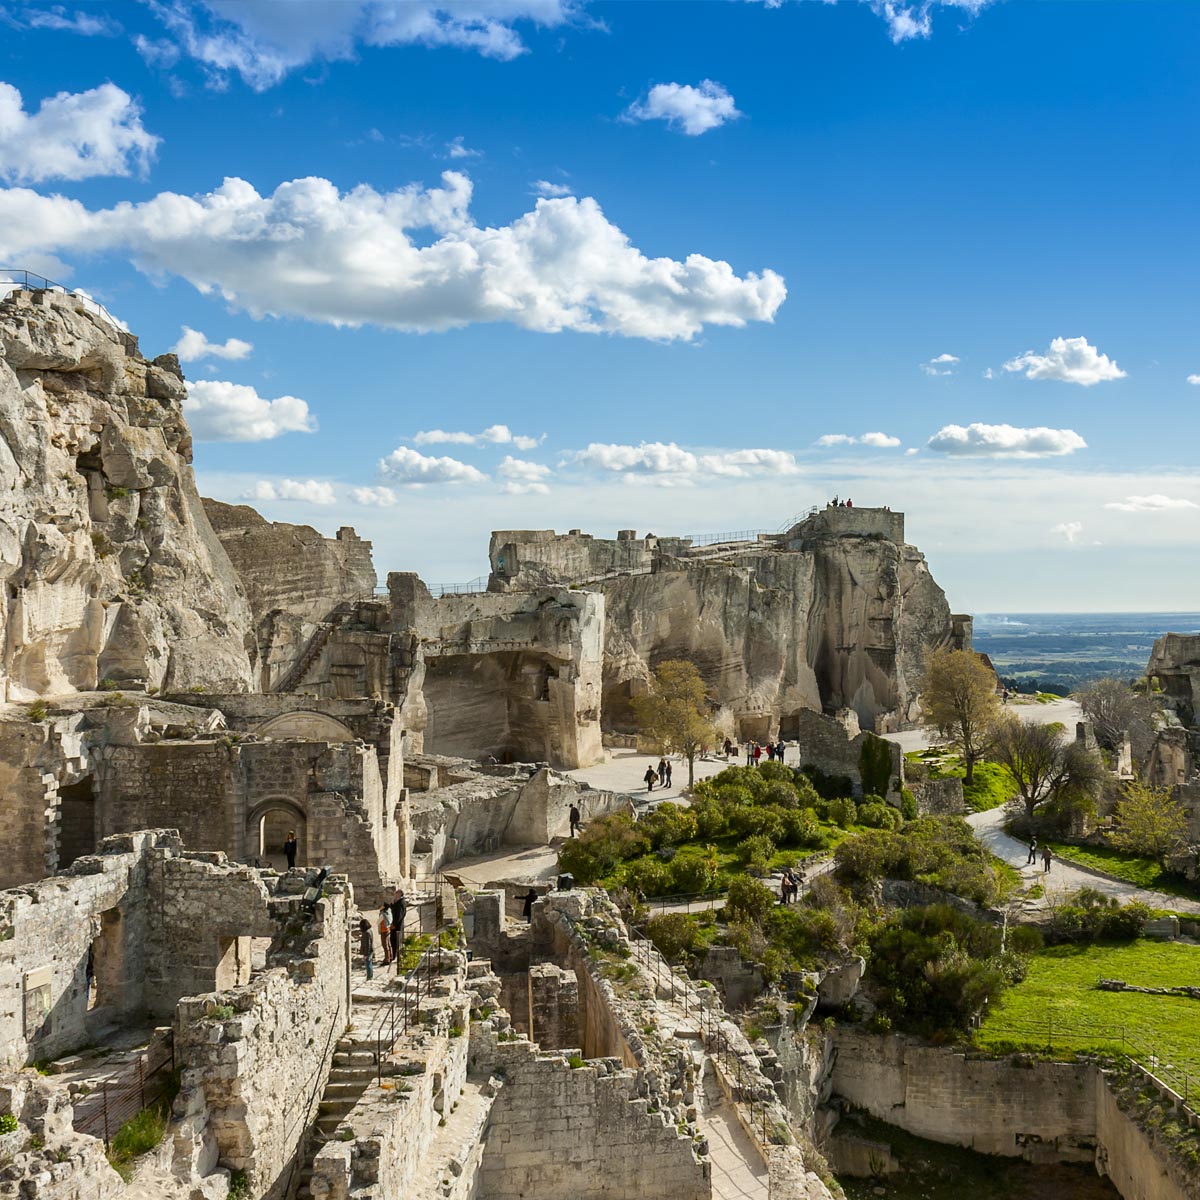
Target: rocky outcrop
pixel 111 569
pixel 1175 665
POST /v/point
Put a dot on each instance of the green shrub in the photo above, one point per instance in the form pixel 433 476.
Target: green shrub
pixel 756 853
pixel 677 934
pixel 749 820
pixel 774 772
pixel 668 825
pixel 601 846
pixel 748 900
pixel 875 765
pixel 39 710
pixel 873 814
pixel 8 1123
pixel 696 872
pixel 908 805
pixel 650 877
pixel 1091 916
pixel 575 1061
pixel 843 812
pixel 800 828
pixel 108 685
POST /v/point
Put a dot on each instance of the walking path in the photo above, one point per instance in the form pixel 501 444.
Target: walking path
pixel 1064 878
pixel 1067 712
pixel 622 771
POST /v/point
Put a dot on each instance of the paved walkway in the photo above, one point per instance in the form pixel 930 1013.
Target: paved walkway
pixel 622 771
pixel 1066 711
pixel 738 1171
pixel 1063 878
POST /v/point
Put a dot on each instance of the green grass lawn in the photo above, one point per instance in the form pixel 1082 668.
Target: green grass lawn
pixel 1058 1006
pixel 1142 872
pixel 991 786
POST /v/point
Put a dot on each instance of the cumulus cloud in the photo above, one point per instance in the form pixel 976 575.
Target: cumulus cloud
pixel 1194 379
pixel 910 19
pixel 73 135
pixel 218 411
pixel 497 435
pixel 1152 503
pixel 672 464
pixel 521 476
pixel 1070 360
pixel 690 110
pixel 943 364
pixel 543 187
pixel 350 258
pixel 456 149
pixel 882 441
pixel 263 40
pixel 1004 441
pixel 409 466
pixel 193 346
pixel 373 497
pixel 1071 530
pixel 307 491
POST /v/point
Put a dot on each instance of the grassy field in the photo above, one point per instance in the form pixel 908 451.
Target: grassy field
pixel 1059 1007
pixel 1142 872
pixel 991 787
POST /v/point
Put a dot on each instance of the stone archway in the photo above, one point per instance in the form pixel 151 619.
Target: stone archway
pixel 268 824
pixel 305 723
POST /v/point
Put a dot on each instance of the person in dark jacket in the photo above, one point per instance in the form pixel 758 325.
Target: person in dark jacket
pixel 527 903
pixel 399 908
pixel 289 849
pixel 366 945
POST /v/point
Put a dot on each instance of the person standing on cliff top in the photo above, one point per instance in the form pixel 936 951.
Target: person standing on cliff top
pixel 650 778
pixel 289 849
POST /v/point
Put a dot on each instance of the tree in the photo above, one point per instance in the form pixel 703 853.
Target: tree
pixel 1149 821
pixel 1045 764
pixel 958 699
pixel 674 714
pixel 1114 708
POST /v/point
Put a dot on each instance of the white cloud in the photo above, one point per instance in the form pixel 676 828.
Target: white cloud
pixel 218 411
pixel 498 435
pixel 543 187
pixel 943 364
pixel 373 497
pixel 193 346
pixel 264 40
pixel 307 491
pixel 691 110
pixel 672 464
pixel 456 149
pixel 58 19
pixel 349 258
pixel 1155 502
pixel 1071 530
pixel 909 19
pixel 73 135
pixel 409 466
pixel 1004 441
pixel 878 440
pixel 1194 380
pixel 522 476
pixel 1070 360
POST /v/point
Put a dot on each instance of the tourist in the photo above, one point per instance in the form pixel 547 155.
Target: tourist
pixel 662 772
pixel 1032 852
pixel 650 777
pixel 668 772
pixel 399 911
pixel 849 502
pixel 749 754
pixel 757 753
pixel 289 849
pixel 385 933
pixel 366 945
pixel 527 903
pixel 574 819
pixel 1045 860
pixel 728 748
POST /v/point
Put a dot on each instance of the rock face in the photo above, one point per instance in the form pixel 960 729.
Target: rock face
pixel 835 613
pixel 111 569
pixel 1175 663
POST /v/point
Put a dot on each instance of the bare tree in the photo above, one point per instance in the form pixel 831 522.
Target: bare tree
pixel 1046 764
pixel 1114 708
pixel 958 699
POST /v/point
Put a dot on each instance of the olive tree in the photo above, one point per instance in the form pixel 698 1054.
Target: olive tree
pixel 958 700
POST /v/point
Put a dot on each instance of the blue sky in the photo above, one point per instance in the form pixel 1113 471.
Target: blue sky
pixel 759 226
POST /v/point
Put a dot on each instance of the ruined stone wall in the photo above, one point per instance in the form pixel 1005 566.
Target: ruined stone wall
pixel 278 1044
pixel 112 569
pixel 530 558
pixel 1127 1155
pixel 824 743
pixel 1020 1108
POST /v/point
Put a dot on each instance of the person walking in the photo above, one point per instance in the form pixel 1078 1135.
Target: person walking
pixel 399 907
pixel 728 748
pixel 574 819
pixel 290 846
pixel 1032 859
pixel 385 933
pixel 662 772
pixel 757 753
pixel 366 945
pixel 650 777
pixel 1046 860
pixel 668 773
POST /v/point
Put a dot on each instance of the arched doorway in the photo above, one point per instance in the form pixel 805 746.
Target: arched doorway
pixel 267 828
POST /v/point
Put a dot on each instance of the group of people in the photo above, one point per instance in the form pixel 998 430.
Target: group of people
pixel 391 933
pixel 1033 855
pixel 754 752
pixel 660 775
pixel 836 503
pixel 789 885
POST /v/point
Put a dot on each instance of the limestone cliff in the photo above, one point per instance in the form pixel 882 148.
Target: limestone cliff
pixel 110 566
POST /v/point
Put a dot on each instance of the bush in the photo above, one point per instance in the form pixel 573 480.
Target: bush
pixel 1024 939
pixel 650 877
pixel 601 846
pixel 1090 916
pixel 800 828
pixel 774 772
pixel 843 812
pixel 874 815
pixel 674 934
pixel 756 853
pixel 8 1123
pixel 780 793
pixel 875 765
pixel 827 787
pixel 748 900
pixel 748 820
pixel 39 710
pixel 669 825
pixel 908 805
pixel 696 872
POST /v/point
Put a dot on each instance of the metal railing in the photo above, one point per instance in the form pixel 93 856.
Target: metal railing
pixel 30 281
pixel 129 1090
pixel 403 1012
pixel 470 588
pixel 738 535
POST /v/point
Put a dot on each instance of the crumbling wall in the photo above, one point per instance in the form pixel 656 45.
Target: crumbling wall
pixel 1138 1168
pixel 277 1044
pixel 825 743
pixel 111 567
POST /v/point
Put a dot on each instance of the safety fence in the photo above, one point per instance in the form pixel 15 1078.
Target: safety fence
pixel 17 278
pixel 133 1087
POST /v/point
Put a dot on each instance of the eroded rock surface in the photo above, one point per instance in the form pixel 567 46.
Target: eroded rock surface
pixel 112 571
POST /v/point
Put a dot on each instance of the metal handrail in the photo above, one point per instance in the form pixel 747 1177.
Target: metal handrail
pixel 473 587
pixel 125 1092
pixel 48 285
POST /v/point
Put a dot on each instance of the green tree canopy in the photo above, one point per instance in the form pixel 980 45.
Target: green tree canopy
pixel 958 699
pixel 1149 821
pixel 675 713
pixel 1046 764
